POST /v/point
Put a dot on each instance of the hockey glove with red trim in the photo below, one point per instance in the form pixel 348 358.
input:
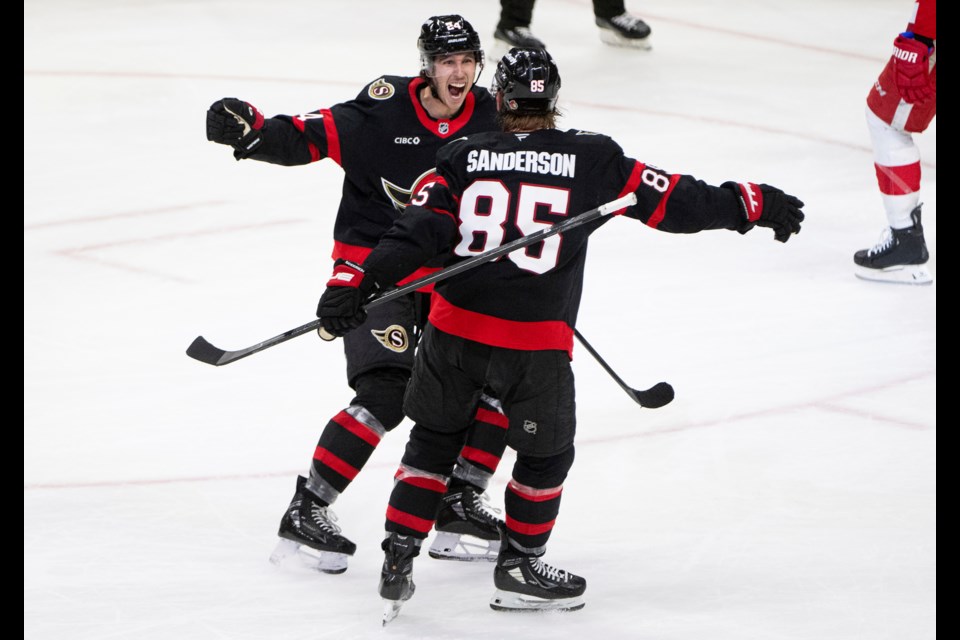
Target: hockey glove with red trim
pixel 341 306
pixel 237 123
pixel 911 68
pixel 770 207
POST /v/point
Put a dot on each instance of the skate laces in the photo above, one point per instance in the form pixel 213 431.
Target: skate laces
pixel 626 21
pixel 884 243
pixel 542 568
pixel 324 518
pixel 481 505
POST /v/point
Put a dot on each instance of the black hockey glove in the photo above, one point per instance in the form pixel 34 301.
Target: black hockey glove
pixel 770 207
pixel 341 306
pixel 237 123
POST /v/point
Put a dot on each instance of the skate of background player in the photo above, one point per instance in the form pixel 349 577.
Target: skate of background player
pixel 789 491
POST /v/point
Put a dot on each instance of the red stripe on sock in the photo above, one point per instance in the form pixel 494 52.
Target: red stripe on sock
pixel 898 181
pixel 323 456
pixel 527 529
pixel 492 417
pixel 357 428
pixel 479 456
pixel 409 520
pixel 424 483
pixel 534 495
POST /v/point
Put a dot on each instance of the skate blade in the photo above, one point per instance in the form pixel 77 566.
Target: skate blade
pixel 518 602
pixel 463 548
pixel 288 552
pixel 901 274
pixel 616 40
pixel 391 609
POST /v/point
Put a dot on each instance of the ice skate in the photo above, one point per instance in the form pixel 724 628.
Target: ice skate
pixel 526 583
pixel 506 39
pixel 396 576
pixel 624 30
pixel 466 527
pixel 309 533
pixel 899 257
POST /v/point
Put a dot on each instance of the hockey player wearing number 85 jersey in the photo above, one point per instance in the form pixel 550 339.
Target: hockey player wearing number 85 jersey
pixel 507 325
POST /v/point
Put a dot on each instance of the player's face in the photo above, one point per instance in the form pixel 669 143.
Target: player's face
pixel 453 76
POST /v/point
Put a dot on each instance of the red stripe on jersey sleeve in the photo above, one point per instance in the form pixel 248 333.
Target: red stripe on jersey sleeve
pixel 358 254
pixel 333 137
pixel 632 183
pixel 301 126
pixel 658 214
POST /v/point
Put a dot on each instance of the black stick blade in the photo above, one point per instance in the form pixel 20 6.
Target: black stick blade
pixel 203 351
pixel 654 397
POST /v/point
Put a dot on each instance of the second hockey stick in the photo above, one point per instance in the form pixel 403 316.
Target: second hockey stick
pixel 202 350
pixel 652 398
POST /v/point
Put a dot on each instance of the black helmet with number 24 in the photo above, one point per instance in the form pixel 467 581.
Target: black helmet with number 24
pixel 447 35
pixel 529 81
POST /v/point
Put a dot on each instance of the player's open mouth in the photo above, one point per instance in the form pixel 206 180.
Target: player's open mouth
pixel 457 89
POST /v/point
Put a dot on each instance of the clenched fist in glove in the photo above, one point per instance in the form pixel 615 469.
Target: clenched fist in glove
pixel 768 206
pixel 911 68
pixel 237 123
pixel 341 306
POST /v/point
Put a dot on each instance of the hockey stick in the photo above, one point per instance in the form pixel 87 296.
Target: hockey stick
pixel 652 398
pixel 205 352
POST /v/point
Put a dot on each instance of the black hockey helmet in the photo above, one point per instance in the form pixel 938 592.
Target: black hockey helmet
pixel 529 80
pixel 446 35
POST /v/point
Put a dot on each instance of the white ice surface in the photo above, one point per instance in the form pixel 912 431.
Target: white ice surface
pixel 789 492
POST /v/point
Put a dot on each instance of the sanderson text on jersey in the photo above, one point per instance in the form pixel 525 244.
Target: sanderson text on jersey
pixel 557 164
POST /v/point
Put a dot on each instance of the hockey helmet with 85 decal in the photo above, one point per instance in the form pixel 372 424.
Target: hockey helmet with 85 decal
pixel 447 35
pixel 529 81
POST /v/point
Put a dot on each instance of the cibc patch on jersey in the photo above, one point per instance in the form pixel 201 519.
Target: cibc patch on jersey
pixel 381 90
pixel 393 337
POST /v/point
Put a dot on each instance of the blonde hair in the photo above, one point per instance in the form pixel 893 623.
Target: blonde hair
pixel 517 122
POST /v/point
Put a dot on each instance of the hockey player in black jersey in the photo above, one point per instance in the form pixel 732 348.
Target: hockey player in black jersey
pixel 385 140
pixel 507 325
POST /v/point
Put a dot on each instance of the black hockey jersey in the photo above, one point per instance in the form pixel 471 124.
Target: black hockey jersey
pixel 492 188
pixel 384 140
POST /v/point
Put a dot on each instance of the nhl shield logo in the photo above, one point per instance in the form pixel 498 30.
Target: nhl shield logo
pixel 443 128
pixel 393 337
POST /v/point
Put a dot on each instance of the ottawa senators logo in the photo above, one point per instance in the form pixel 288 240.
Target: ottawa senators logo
pixel 393 337
pixel 398 195
pixel 381 90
